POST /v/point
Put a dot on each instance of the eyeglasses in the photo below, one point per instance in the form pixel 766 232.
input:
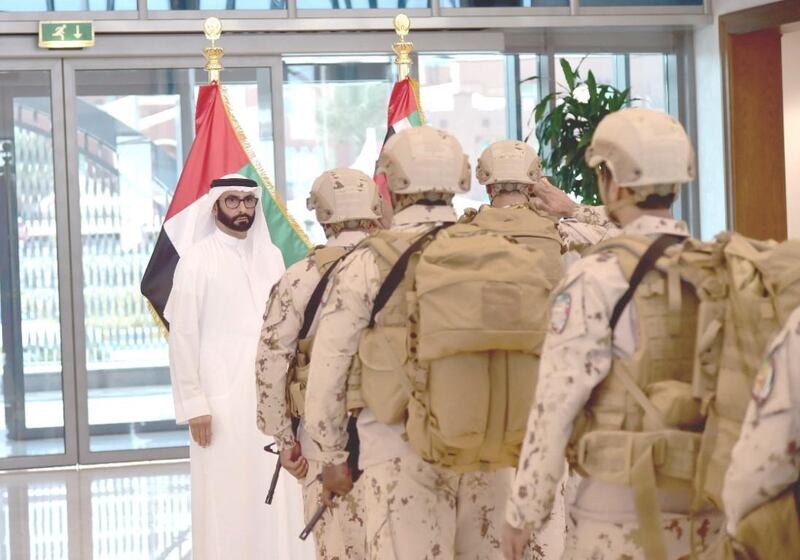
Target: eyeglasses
pixel 233 202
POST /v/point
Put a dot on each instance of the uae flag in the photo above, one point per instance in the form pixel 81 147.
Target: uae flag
pixel 405 111
pixel 219 148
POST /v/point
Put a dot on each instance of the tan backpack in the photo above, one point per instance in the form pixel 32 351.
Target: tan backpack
pixel 453 345
pixel 524 224
pixel 325 259
pixel 679 431
pixel 762 281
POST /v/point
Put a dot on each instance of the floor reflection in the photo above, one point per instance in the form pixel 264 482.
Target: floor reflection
pixel 128 512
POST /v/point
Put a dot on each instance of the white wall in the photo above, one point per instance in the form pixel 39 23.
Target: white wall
pixel 790 54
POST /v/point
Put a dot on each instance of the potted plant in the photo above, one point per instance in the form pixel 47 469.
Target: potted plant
pixel 565 123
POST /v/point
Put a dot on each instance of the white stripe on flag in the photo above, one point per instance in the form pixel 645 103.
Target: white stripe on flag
pixel 402 125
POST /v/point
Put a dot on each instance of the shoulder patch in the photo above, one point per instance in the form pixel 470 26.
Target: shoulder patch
pixel 560 312
pixel 762 385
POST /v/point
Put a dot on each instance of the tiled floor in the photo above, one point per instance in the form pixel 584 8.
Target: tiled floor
pixel 120 513
pixel 124 512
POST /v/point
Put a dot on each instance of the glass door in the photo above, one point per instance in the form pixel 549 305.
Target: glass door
pixel 130 130
pixel 37 426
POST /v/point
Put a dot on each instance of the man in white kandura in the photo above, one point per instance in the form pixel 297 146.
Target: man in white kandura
pixel 220 287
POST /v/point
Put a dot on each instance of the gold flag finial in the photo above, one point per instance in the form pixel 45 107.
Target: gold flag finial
pixel 212 27
pixel 402 48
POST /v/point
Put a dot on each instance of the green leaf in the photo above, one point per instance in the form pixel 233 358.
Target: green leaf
pixel 569 75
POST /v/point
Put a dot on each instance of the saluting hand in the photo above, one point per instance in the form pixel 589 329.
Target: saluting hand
pixel 514 542
pixel 551 199
pixel 200 427
pixel 337 480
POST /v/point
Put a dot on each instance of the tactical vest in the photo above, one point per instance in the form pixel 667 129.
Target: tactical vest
pixel 642 425
pixel 324 258
pixel 453 346
pixel 524 224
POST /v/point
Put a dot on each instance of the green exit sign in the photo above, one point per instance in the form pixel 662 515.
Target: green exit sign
pixel 66 34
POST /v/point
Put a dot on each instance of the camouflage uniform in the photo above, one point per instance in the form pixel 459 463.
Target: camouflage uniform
pixel 577 356
pixel 340 533
pixel 414 510
pixel 766 460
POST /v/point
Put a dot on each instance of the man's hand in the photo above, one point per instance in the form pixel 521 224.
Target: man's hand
pixel 200 427
pixel 336 481
pixel 293 461
pixel 514 542
pixel 552 199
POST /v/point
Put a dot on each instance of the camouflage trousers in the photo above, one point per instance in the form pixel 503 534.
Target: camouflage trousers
pixel 418 511
pixel 341 533
pixel 594 539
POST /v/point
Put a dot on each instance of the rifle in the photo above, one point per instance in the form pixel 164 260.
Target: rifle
pixel 353 447
pixel 277 472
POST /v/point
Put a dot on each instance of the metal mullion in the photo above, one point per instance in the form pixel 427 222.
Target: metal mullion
pixel 71 16
pixel 142 9
pixel 199 15
pixel 687 114
pixel 513 97
pixel 76 260
pixel 278 126
pixel 291 9
pixel 436 8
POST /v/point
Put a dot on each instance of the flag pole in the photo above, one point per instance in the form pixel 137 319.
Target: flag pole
pixel 212 27
pixel 402 48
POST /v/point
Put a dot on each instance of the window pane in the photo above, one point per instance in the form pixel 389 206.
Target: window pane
pixel 66 5
pixel 134 130
pixel 362 4
pixel 649 80
pixel 465 94
pixel 160 5
pixel 589 3
pixel 335 114
pixel 607 69
pixel 504 3
pixel 32 422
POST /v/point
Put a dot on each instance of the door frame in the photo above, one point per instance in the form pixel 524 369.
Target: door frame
pixel 65 272
pixel 70 67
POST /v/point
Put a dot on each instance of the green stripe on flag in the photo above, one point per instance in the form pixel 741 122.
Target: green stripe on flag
pixel 415 119
pixel 282 232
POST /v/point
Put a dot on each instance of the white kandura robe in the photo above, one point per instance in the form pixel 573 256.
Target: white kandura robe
pixel 215 313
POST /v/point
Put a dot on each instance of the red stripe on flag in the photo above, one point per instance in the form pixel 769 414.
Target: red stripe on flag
pixel 402 102
pixel 215 151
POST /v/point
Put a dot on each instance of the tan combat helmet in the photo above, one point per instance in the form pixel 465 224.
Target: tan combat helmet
pixel 643 148
pixel 424 160
pixel 342 194
pixel 508 161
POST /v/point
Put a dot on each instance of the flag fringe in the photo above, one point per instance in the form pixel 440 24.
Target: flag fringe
pixel 159 323
pixel 245 144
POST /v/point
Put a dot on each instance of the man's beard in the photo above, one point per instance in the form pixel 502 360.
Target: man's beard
pixel 240 223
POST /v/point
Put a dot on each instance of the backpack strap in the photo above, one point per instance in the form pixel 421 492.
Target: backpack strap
pixel 646 263
pixel 398 271
pixel 316 299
